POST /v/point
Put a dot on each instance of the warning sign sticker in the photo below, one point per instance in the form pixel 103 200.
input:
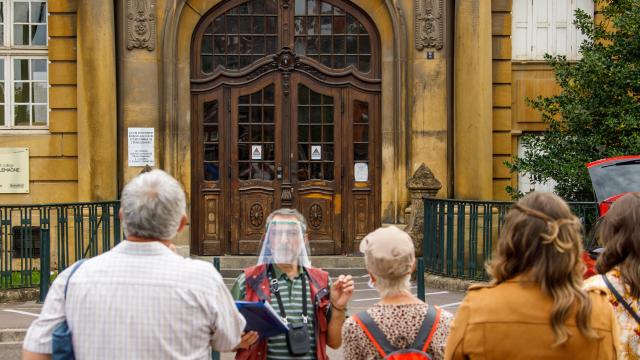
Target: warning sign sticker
pixel 316 152
pixel 256 152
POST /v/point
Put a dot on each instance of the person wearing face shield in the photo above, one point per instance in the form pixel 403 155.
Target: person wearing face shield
pixel 313 310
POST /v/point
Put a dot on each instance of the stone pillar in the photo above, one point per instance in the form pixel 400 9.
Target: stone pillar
pixel 421 184
pixel 139 80
pixel 428 82
pixel 97 108
pixel 473 148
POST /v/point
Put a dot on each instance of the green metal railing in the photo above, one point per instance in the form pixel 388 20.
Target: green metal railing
pixel 216 263
pixel 460 235
pixel 39 241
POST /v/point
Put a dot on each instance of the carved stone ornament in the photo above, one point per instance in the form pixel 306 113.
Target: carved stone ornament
pixel 429 20
pixel 141 24
pixel 423 180
pixel 422 184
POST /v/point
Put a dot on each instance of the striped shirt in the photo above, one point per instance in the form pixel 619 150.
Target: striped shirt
pixel 291 294
pixel 140 301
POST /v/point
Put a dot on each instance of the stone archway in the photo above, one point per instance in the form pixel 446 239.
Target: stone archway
pixel 182 17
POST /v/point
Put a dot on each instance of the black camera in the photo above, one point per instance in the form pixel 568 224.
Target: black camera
pixel 298 339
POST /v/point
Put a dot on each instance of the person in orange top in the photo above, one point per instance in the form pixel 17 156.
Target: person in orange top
pixel 535 308
pixel 619 231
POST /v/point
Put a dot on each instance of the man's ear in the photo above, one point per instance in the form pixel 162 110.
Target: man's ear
pixel 184 221
pixel 120 214
pixel 371 276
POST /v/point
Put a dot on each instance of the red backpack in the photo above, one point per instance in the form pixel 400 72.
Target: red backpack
pixel 417 351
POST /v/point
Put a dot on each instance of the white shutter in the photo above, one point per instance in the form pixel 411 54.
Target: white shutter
pixel 578 37
pixel 521 34
pixel 563 28
pixel 543 33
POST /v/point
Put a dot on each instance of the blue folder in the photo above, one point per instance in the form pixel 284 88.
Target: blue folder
pixel 261 317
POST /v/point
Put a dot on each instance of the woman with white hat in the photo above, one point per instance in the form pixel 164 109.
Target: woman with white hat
pixel 399 321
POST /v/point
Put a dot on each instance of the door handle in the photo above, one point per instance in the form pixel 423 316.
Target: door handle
pixel 279 172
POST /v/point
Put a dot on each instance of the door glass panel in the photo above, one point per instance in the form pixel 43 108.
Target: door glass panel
pixel 211 141
pixel 256 135
pixel 342 34
pixel 361 132
pixel 244 34
pixel 315 135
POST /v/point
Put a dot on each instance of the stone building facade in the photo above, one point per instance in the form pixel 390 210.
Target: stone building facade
pixel 328 106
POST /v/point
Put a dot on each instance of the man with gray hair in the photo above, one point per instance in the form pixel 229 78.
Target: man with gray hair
pixel 141 300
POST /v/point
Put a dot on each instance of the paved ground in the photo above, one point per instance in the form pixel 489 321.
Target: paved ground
pixel 20 315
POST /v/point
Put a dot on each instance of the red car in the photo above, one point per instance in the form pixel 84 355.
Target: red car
pixel 611 179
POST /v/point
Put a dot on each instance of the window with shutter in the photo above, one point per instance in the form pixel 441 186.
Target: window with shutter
pixel 525 183
pixel 546 27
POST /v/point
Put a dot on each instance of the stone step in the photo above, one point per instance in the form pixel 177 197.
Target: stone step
pixel 11 350
pixel 11 335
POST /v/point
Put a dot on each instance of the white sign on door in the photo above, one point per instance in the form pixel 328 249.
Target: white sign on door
pixel 14 170
pixel 361 172
pixel 141 147
pixel 256 152
pixel 316 152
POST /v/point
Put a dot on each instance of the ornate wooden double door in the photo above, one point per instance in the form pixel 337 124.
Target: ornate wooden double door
pixel 285 113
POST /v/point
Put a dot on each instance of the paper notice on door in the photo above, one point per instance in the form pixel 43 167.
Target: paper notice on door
pixel 316 152
pixel 361 172
pixel 256 152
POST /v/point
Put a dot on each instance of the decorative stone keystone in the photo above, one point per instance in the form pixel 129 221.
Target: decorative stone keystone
pixel 421 184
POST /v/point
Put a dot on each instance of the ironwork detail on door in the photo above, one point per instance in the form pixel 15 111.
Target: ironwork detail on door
pixel 240 36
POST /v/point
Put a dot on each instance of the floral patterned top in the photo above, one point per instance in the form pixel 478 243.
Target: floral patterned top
pixel 629 328
pixel 400 324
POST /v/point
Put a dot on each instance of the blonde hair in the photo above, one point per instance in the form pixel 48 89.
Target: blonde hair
pixel 542 241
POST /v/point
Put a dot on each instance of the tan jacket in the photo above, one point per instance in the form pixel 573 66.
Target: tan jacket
pixel 511 321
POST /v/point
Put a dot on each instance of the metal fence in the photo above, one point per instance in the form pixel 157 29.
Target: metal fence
pixel 39 241
pixel 460 235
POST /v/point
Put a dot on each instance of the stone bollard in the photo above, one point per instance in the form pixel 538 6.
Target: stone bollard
pixel 421 184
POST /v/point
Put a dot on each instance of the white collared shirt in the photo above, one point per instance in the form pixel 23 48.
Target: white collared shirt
pixel 140 301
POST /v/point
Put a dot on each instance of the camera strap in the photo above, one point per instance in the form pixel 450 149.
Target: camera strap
pixel 275 290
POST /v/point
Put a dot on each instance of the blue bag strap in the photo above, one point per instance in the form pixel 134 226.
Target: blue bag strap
pixel 78 263
pixel 425 334
pixel 375 334
pixel 620 299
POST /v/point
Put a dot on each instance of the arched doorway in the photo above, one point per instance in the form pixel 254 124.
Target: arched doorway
pixel 285 113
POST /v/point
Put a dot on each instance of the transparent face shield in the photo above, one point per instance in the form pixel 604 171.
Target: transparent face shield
pixel 284 243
